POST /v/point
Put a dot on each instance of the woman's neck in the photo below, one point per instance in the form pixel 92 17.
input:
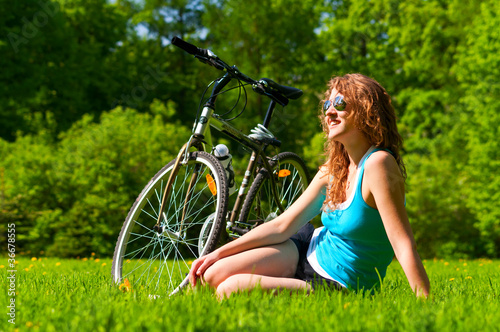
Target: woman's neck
pixel 356 150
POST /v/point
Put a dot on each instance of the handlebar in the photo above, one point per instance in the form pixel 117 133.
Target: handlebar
pixel 265 86
pixel 190 48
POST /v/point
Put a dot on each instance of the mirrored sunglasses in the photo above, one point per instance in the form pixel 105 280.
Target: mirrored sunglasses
pixel 339 104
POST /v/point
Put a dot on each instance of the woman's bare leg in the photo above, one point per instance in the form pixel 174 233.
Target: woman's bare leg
pixel 248 282
pixel 279 261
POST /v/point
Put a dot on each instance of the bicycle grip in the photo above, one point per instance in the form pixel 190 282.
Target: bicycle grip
pixel 190 48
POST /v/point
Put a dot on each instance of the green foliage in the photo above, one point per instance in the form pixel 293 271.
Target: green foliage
pixel 83 185
pixel 478 68
pixel 26 184
pixel 354 36
pixel 57 58
pixel 64 62
pixel 443 226
pixel 314 153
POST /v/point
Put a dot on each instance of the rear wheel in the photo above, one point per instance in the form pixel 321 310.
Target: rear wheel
pixel 291 178
pixel 159 259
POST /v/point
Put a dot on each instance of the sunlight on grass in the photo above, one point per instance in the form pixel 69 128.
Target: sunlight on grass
pixel 60 295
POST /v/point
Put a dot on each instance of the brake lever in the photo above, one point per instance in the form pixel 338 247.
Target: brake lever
pixel 211 59
pixel 216 64
pixel 260 87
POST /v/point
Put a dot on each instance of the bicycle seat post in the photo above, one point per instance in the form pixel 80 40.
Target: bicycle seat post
pixel 269 114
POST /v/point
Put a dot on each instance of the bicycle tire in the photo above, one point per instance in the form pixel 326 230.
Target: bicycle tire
pixel 160 261
pixel 259 205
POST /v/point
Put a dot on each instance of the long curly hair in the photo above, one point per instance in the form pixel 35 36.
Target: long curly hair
pixel 369 105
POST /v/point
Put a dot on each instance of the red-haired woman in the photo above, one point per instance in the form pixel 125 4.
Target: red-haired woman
pixel 359 192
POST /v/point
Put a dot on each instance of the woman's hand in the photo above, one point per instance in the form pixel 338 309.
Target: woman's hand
pixel 200 265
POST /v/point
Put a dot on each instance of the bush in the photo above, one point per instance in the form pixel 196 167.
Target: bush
pixel 442 224
pixel 74 194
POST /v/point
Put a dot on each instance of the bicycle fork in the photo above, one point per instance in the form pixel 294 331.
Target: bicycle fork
pixel 168 187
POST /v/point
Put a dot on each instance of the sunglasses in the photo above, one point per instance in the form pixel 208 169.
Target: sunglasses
pixel 339 104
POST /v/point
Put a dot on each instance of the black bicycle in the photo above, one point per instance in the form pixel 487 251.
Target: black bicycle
pixel 181 213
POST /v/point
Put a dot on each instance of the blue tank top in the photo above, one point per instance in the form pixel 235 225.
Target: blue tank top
pixel 353 245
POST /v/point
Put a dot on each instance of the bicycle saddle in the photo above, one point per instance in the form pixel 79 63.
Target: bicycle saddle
pixel 287 91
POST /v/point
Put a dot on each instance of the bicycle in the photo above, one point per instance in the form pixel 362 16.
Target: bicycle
pixel 180 214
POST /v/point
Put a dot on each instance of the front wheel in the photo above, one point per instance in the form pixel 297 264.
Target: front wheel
pixel 190 225
pixel 291 179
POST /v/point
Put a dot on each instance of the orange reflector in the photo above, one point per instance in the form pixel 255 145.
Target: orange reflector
pixel 283 173
pixel 211 184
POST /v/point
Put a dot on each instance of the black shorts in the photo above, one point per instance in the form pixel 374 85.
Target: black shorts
pixel 304 269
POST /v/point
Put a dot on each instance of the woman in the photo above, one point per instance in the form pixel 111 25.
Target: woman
pixel 360 193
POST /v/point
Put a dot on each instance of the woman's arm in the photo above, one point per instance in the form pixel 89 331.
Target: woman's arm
pixel 386 184
pixel 278 230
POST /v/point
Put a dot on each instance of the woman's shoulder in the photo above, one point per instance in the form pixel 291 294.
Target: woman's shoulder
pixel 382 161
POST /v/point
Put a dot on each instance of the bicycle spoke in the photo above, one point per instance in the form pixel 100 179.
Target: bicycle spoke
pixel 149 259
pixel 135 268
pixel 151 205
pixel 146 228
pixel 140 249
pixel 138 237
pixel 148 214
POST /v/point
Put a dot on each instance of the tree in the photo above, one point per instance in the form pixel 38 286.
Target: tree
pixel 478 69
pixel 183 78
pixel 273 39
pixel 56 60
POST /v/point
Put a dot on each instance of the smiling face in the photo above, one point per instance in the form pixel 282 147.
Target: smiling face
pixel 339 124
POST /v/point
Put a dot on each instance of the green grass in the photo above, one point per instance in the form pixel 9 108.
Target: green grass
pixel 77 295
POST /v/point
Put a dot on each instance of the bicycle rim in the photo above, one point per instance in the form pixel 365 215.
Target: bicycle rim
pixel 189 227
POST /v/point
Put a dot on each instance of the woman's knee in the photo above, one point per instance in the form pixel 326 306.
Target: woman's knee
pixel 215 274
pixel 231 285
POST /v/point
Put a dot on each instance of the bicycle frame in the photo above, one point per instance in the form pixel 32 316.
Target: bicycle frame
pixel 203 129
pixel 201 139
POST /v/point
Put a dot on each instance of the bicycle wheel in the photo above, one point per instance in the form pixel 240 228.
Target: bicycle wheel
pixel 189 228
pixel 291 177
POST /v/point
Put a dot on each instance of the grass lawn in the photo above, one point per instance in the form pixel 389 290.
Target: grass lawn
pixel 77 295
